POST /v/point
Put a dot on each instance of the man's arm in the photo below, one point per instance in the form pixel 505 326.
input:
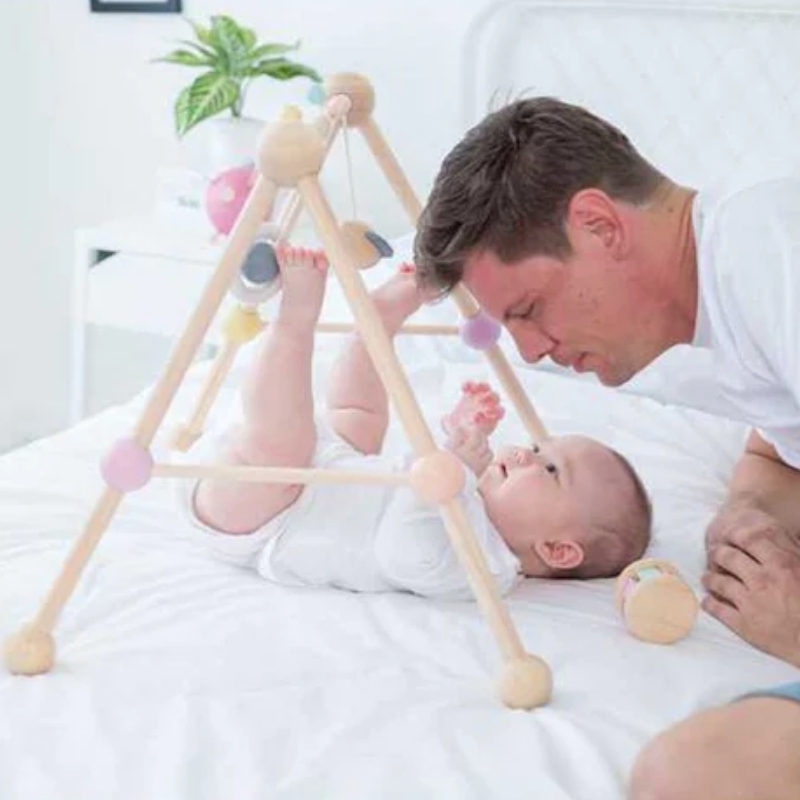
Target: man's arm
pixel 762 480
pixel 753 576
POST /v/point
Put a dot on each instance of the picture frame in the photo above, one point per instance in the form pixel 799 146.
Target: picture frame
pixel 136 6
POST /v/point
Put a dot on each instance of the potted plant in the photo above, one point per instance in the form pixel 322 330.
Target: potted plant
pixel 231 58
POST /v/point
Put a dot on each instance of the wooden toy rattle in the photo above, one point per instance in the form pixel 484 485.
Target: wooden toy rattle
pixel 657 604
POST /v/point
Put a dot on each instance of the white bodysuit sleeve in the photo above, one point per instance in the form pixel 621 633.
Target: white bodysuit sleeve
pixel 414 552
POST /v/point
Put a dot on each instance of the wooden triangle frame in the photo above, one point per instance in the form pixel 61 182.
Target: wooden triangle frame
pixel 291 155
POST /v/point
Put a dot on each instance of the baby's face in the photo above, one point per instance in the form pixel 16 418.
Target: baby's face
pixel 549 492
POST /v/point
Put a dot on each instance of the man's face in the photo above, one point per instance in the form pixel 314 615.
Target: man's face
pixel 585 313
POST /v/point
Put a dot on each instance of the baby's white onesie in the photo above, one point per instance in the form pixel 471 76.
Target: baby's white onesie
pixel 356 536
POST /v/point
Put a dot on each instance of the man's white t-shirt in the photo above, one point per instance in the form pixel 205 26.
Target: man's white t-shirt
pixel 748 249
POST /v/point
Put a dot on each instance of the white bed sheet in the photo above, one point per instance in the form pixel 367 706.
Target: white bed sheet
pixel 180 677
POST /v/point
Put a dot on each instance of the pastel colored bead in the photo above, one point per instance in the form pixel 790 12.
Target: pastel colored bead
pixel 226 195
pixel 30 651
pixel 290 150
pixel 358 90
pixel 242 325
pixel 338 106
pixel 127 466
pixel 526 683
pixel 480 332
pixel 437 477
pixel 316 94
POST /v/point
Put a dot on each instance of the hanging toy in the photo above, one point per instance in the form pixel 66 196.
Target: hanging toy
pixel 657 604
pixel 364 246
pixel 259 277
pixel 226 194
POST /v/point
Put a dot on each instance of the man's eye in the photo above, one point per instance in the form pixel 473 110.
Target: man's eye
pixel 528 313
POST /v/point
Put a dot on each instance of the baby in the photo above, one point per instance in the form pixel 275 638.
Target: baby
pixel 566 507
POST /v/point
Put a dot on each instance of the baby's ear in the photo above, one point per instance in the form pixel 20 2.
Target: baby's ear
pixel 560 554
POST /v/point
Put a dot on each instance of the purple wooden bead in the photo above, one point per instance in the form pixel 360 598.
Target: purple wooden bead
pixel 480 332
pixel 126 466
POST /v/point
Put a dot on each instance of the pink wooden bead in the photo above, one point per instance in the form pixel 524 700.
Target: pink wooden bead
pixel 480 332
pixel 226 194
pixel 437 477
pixel 338 105
pixel 126 466
pixel 631 584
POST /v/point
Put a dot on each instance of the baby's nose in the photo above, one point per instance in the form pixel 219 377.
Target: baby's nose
pixel 524 457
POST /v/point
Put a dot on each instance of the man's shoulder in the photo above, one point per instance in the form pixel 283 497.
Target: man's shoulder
pixel 736 201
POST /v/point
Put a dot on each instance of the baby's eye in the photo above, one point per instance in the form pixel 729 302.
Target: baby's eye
pixel 535 449
pixel 551 468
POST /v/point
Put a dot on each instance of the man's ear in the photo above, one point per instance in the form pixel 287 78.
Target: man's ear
pixel 594 215
pixel 560 553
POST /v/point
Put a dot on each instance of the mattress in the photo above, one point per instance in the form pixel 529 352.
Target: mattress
pixel 182 678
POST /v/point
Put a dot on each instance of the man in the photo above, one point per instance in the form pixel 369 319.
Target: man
pixel 591 256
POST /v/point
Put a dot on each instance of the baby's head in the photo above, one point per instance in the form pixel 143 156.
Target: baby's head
pixel 569 507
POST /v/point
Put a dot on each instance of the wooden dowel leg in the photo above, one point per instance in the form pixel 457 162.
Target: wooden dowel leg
pixel 465 302
pixel 380 349
pixel 77 559
pixel 31 650
pixel 391 169
pixel 483 584
pixel 468 308
pixel 369 323
pixel 244 232
pixel 188 434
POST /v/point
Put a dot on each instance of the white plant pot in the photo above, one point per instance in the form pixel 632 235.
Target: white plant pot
pixel 221 143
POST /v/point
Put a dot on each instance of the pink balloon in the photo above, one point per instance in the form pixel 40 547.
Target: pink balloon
pixel 226 194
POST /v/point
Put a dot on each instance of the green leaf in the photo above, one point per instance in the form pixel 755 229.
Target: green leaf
pixel 201 32
pixel 272 50
pixel 186 59
pixel 249 38
pixel 209 52
pixel 282 69
pixel 207 96
pixel 231 39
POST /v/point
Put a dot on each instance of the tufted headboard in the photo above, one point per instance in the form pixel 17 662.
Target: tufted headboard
pixel 702 89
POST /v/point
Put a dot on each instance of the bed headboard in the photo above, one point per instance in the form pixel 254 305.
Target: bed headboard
pixel 703 90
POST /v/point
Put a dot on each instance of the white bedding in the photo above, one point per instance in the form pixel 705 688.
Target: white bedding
pixel 180 677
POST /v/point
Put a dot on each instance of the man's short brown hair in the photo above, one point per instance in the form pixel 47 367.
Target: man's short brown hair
pixel 507 185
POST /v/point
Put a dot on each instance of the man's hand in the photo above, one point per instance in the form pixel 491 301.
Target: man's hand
pixel 471 445
pixel 753 580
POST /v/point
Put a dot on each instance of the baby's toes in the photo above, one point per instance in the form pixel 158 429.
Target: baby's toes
pixel 320 261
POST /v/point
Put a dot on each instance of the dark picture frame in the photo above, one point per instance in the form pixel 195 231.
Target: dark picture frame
pixel 136 6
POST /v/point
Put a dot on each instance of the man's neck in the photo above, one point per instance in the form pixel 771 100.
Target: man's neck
pixel 674 252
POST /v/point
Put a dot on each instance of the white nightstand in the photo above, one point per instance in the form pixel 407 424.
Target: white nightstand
pixel 138 274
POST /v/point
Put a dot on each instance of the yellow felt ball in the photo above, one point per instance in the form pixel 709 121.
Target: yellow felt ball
pixel 242 325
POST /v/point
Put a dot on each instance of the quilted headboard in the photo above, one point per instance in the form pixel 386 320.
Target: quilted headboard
pixel 701 89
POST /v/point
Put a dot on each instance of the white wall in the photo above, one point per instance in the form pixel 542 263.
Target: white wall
pixel 87 120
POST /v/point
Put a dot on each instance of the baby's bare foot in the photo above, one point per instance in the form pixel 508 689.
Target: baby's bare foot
pixel 303 276
pixel 398 298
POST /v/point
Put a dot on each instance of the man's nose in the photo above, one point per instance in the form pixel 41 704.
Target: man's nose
pixel 533 344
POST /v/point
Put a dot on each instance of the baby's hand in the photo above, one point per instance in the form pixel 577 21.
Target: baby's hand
pixel 471 445
pixel 478 407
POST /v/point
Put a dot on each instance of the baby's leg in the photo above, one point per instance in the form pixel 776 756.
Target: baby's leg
pixel 358 408
pixel 278 428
